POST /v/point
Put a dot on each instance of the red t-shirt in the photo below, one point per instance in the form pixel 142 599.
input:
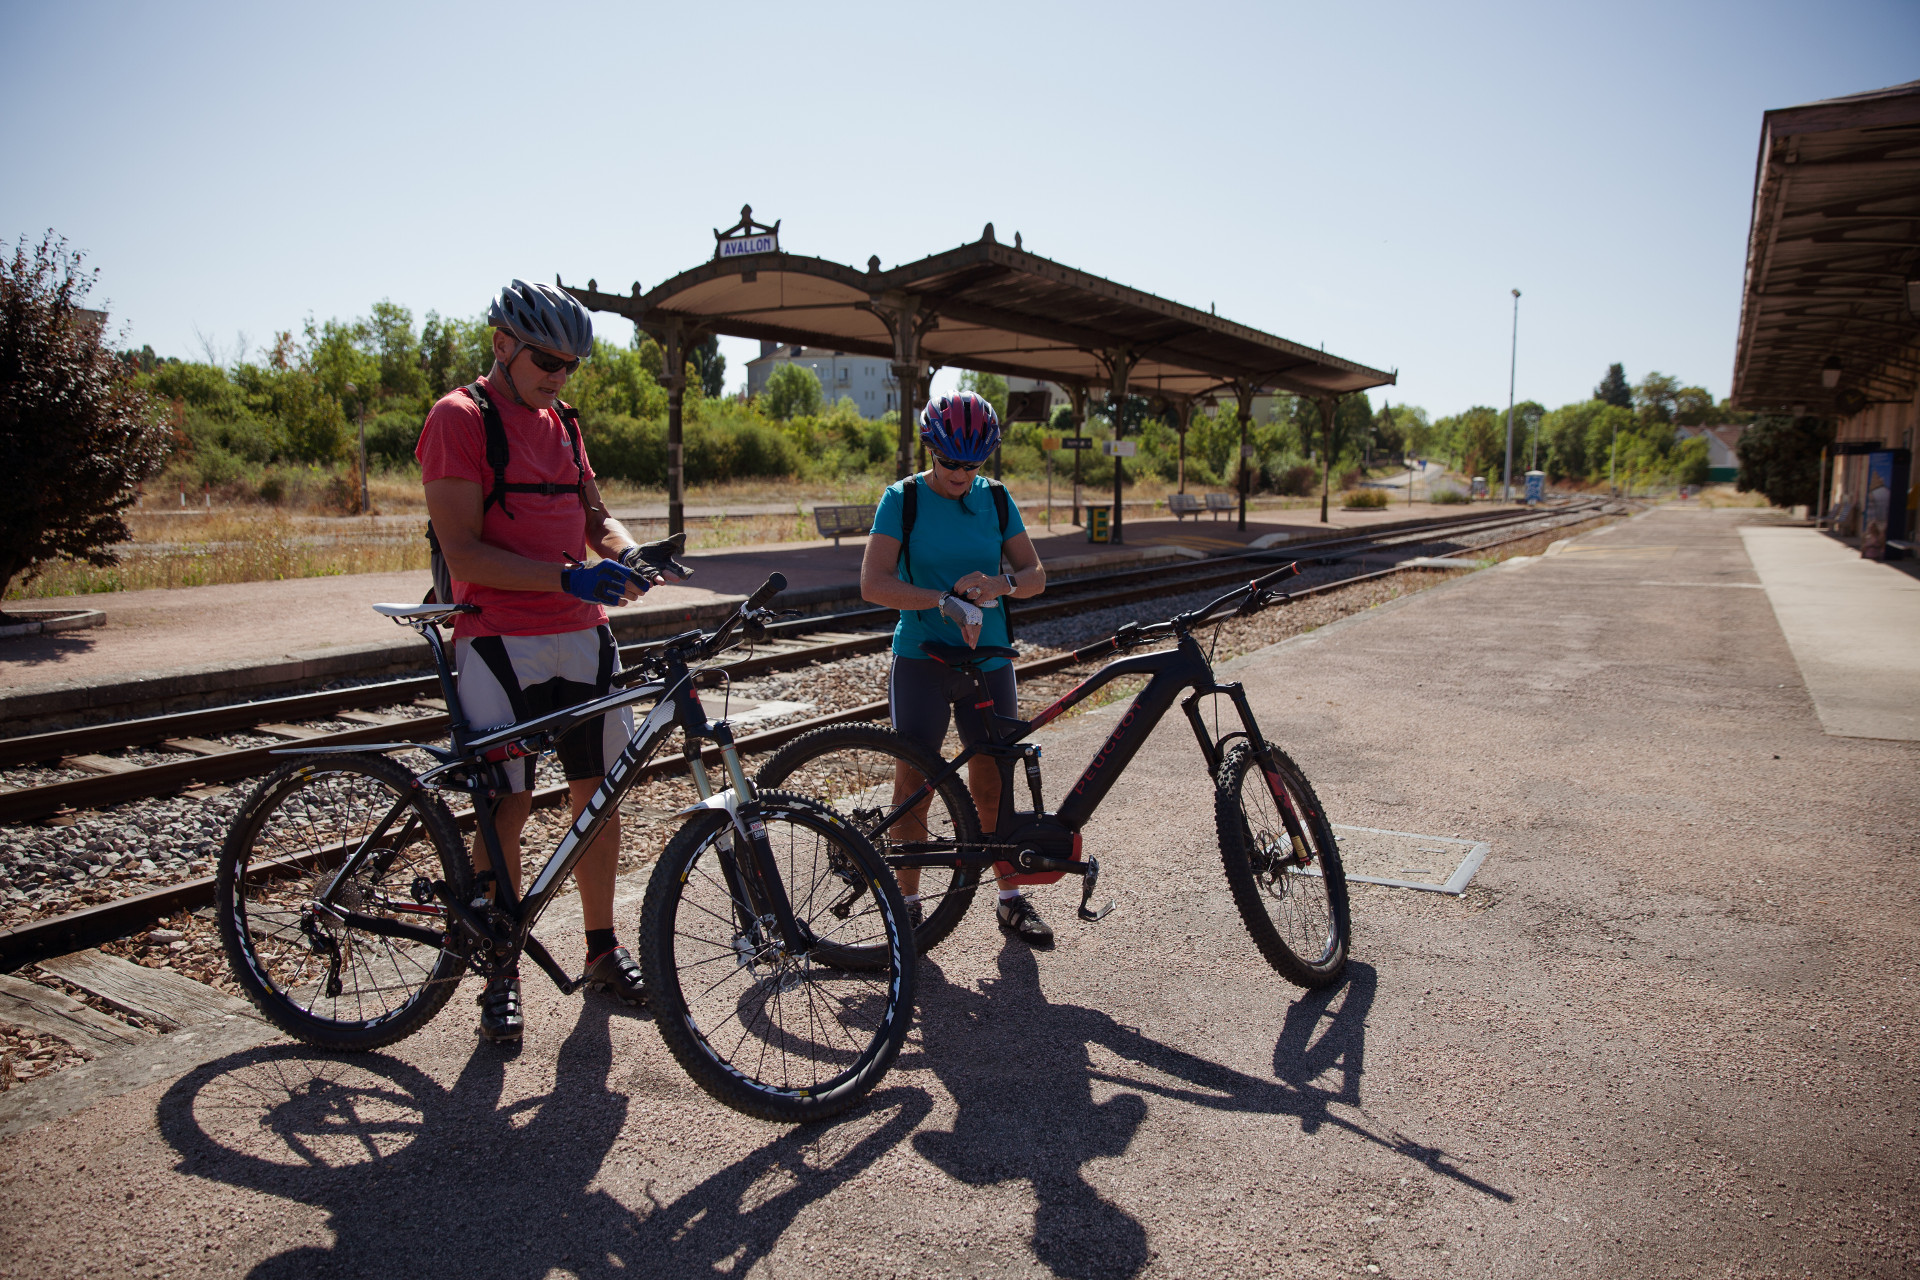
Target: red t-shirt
pixel 454 444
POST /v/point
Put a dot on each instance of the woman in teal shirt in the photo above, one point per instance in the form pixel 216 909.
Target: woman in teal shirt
pixel 947 588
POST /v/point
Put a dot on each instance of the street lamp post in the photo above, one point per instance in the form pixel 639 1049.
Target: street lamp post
pixel 1506 489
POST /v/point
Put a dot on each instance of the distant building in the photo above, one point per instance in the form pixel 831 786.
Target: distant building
pixel 865 380
pixel 1723 449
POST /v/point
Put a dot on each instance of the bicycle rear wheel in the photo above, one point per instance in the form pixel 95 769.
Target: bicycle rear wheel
pixel 852 768
pixel 1283 866
pixel 372 969
pixel 782 1036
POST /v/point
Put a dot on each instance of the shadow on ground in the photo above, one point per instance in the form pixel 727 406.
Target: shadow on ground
pixel 457 1183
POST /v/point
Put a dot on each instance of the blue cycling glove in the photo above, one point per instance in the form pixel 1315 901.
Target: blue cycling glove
pixel 603 583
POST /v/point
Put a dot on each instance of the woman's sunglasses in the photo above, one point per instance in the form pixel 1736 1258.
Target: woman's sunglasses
pixel 951 465
pixel 550 364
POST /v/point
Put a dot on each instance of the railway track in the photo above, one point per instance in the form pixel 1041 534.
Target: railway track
pixel 203 763
pixel 801 644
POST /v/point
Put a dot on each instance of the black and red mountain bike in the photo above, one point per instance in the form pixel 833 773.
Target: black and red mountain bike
pixel 1281 860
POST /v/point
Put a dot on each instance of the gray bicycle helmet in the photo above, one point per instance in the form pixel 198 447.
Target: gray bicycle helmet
pixel 540 315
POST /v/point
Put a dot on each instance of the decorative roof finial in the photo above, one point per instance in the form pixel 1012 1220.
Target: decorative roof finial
pixel 873 264
pixel 987 235
pixel 593 286
pixel 1016 240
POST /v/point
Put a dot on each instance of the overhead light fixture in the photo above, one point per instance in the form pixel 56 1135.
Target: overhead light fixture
pixel 1830 373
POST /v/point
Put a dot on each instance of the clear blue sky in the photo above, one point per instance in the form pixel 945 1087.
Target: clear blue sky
pixel 1372 176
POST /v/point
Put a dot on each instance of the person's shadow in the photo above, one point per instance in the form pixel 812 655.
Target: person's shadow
pixel 448 1182
pixel 1020 1071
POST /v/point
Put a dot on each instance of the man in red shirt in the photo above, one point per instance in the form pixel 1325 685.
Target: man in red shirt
pixel 514 540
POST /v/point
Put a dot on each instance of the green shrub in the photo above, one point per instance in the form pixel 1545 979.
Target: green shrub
pixel 1447 498
pixel 1363 499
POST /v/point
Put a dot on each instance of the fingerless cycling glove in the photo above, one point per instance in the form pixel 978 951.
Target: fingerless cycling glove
pixel 602 583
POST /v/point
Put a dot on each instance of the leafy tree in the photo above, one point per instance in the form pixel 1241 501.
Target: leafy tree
pixel 990 387
pixel 1694 407
pixel 1483 442
pixel 454 352
pixel 792 390
pixel 1613 388
pixel 1780 458
pixel 76 434
pixel 710 365
pixel 1656 397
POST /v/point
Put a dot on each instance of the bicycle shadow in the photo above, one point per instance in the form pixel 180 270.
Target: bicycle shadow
pixel 458 1185
pixel 1021 1070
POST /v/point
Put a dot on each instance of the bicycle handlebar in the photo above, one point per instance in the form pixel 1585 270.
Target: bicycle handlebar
pixel 1134 634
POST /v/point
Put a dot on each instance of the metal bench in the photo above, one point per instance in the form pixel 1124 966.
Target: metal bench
pixel 843 522
pixel 1185 504
pixel 1219 502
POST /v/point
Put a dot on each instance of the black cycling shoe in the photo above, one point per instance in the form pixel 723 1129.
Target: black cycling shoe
pixel 915 916
pixel 615 971
pixel 1019 917
pixel 500 1011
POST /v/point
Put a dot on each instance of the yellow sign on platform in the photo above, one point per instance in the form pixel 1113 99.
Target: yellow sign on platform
pixel 1050 443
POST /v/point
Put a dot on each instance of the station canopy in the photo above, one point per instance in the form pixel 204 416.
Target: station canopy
pixel 985 306
pixel 1833 256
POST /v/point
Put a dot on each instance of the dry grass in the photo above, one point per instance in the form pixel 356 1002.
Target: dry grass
pixel 234 545
pixel 1725 495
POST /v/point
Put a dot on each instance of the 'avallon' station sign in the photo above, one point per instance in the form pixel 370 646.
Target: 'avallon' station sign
pixel 746 237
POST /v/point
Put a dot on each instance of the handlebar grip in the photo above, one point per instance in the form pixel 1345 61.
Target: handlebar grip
pixel 773 586
pixel 1278 575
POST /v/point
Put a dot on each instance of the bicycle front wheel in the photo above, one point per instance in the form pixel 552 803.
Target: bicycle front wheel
pixel 1283 865
pixel 778 1034
pixel 368 968
pixel 856 770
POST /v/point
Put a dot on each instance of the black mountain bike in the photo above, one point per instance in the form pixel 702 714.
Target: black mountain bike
pixel 1280 856
pixel 773 938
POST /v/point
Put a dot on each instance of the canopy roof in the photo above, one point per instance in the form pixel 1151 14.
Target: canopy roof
pixel 990 307
pixel 1834 243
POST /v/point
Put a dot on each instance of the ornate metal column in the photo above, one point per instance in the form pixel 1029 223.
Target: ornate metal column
pixel 1119 364
pixel 1185 420
pixel 1329 405
pixel 1243 392
pixel 1077 392
pixel 905 322
pixel 673 349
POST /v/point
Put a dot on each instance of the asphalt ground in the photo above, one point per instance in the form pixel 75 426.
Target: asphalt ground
pixel 1668 1031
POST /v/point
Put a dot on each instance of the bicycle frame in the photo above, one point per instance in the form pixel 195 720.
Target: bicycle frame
pixel 504 925
pixel 1171 670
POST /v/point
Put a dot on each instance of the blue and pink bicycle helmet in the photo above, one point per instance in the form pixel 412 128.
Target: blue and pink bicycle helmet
pixel 961 427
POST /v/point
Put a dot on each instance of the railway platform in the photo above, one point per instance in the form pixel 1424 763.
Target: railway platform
pixel 163 650
pixel 1666 1029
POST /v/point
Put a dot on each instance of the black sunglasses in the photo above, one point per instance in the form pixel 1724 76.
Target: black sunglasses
pixel 549 364
pixel 951 465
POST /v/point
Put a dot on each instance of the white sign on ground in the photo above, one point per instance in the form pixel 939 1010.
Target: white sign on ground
pixel 1438 864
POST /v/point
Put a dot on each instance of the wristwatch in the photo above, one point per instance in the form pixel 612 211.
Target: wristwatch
pixel 1012 586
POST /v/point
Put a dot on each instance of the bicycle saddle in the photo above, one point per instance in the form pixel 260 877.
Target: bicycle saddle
pixel 422 612
pixel 662 555
pixel 958 655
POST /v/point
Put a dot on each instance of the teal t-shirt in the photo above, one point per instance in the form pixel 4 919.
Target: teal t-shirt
pixel 948 544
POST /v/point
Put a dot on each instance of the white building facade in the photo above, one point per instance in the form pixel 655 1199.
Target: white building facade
pixel 865 380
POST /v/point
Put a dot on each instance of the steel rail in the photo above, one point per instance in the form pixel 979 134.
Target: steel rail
pixel 30 803
pixel 103 922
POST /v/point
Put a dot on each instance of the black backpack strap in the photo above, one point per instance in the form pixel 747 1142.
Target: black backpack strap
pixel 909 508
pixel 1001 503
pixel 496 446
pixel 497 453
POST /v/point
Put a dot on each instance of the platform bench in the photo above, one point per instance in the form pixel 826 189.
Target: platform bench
pixel 843 522
pixel 1219 502
pixel 1185 504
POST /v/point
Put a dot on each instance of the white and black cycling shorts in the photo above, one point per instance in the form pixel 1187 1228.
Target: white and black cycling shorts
pixel 506 679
